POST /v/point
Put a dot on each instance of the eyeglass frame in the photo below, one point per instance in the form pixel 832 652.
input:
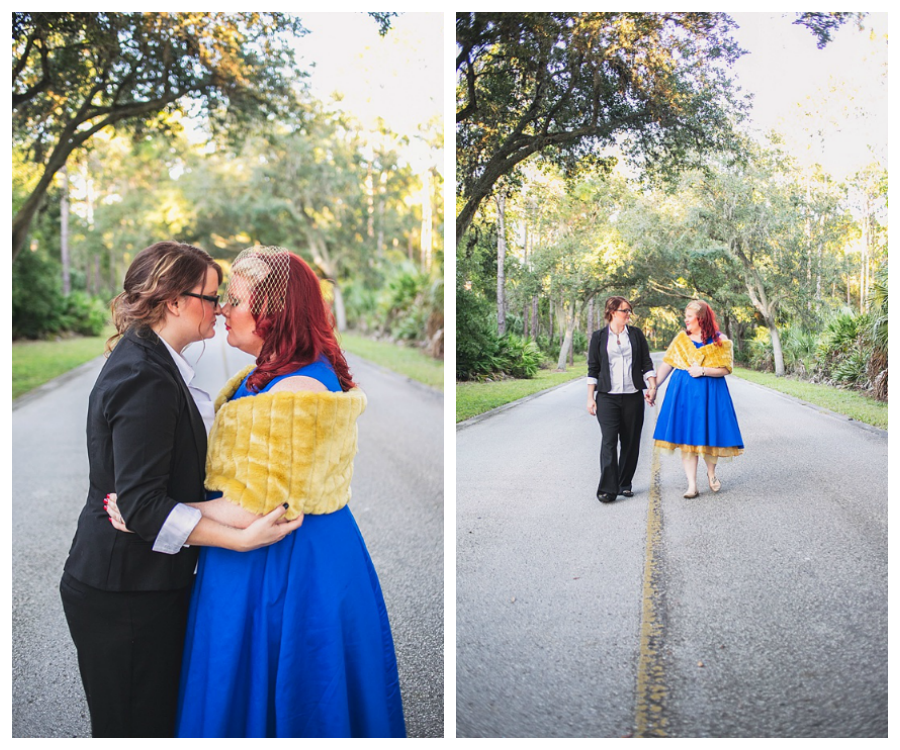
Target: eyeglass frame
pixel 630 311
pixel 214 299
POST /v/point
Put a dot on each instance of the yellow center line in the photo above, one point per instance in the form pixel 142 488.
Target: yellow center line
pixel 650 709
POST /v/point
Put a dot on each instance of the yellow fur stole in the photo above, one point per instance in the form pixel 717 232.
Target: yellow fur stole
pixel 682 353
pixel 293 447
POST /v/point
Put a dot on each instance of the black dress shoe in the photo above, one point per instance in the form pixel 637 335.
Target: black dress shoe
pixel 603 497
pixel 628 493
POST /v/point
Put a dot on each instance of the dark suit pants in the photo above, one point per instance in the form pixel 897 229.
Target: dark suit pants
pixel 621 417
pixel 129 646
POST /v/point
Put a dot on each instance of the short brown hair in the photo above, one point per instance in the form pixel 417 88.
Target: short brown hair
pixel 157 274
pixel 612 304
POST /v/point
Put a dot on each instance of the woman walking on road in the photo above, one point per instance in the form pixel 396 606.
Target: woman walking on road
pixel 697 415
pixel 618 363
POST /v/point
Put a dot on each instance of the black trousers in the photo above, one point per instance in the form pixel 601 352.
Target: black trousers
pixel 621 417
pixel 129 653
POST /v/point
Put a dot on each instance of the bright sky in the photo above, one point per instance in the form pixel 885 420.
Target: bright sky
pixel 398 77
pixel 841 90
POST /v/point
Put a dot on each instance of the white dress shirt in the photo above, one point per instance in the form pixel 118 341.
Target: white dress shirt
pixel 620 355
pixel 618 349
pixel 183 519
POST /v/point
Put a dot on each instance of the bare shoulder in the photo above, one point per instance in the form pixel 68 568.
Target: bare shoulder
pixel 297 383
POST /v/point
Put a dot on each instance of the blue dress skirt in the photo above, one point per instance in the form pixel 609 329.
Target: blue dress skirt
pixel 697 416
pixel 291 640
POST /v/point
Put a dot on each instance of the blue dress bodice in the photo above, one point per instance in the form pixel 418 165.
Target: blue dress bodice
pixel 320 370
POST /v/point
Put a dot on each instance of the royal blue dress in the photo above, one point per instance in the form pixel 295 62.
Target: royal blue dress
pixel 697 415
pixel 291 640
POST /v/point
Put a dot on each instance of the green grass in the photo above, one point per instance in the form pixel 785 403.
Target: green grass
pixel 849 403
pixel 476 398
pixel 36 362
pixel 405 360
pixel 473 399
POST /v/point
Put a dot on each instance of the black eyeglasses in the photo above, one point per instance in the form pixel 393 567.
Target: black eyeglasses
pixel 213 298
pixel 626 311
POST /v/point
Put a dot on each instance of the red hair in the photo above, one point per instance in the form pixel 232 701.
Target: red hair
pixel 709 328
pixel 298 334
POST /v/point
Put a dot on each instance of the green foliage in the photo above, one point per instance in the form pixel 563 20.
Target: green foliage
pixel 759 351
pixel 37 301
pixel 877 369
pixel 840 335
pixel 878 299
pixel 656 83
pixel 480 352
pixel 403 304
pixel 502 356
pixel 384 21
pixel 840 354
pixel 476 339
pixel 844 350
pixel 277 168
pixel 361 301
pixel 84 315
pixel 39 308
pixel 75 74
pixel 148 62
pixel 823 25
pixel 519 357
pixel 799 347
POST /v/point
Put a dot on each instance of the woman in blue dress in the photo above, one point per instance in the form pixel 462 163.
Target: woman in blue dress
pixel 292 640
pixel 697 415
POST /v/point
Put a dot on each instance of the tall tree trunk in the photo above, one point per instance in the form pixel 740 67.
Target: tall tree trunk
pixel 340 312
pixel 534 318
pixel 569 323
pixel 64 232
pixel 756 290
pixel 501 261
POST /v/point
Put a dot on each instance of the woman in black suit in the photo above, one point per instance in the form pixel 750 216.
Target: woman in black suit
pixel 126 606
pixel 618 363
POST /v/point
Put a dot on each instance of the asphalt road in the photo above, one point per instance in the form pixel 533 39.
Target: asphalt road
pixel 397 501
pixel 757 612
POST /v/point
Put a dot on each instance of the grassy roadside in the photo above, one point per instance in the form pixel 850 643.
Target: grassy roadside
pixel 473 399
pixel 405 360
pixel 36 362
pixel 849 403
pixel 476 398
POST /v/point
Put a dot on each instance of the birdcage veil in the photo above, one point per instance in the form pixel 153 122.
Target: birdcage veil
pixel 261 272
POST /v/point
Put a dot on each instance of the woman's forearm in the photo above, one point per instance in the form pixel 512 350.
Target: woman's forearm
pixel 662 372
pixel 264 530
pixel 225 512
pixel 715 372
pixel 210 533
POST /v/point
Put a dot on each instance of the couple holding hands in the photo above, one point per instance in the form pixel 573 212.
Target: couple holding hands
pixel 697 415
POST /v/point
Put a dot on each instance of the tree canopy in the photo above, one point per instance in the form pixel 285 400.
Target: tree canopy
pixel 570 86
pixel 566 84
pixel 77 73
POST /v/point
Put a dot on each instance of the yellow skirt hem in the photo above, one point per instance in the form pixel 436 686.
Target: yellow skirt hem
pixel 700 450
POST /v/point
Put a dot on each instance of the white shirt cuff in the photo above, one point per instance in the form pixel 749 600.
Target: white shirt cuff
pixel 650 374
pixel 592 381
pixel 177 528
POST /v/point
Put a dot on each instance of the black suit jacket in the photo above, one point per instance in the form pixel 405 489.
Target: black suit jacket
pixel 598 358
pixel 146 442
